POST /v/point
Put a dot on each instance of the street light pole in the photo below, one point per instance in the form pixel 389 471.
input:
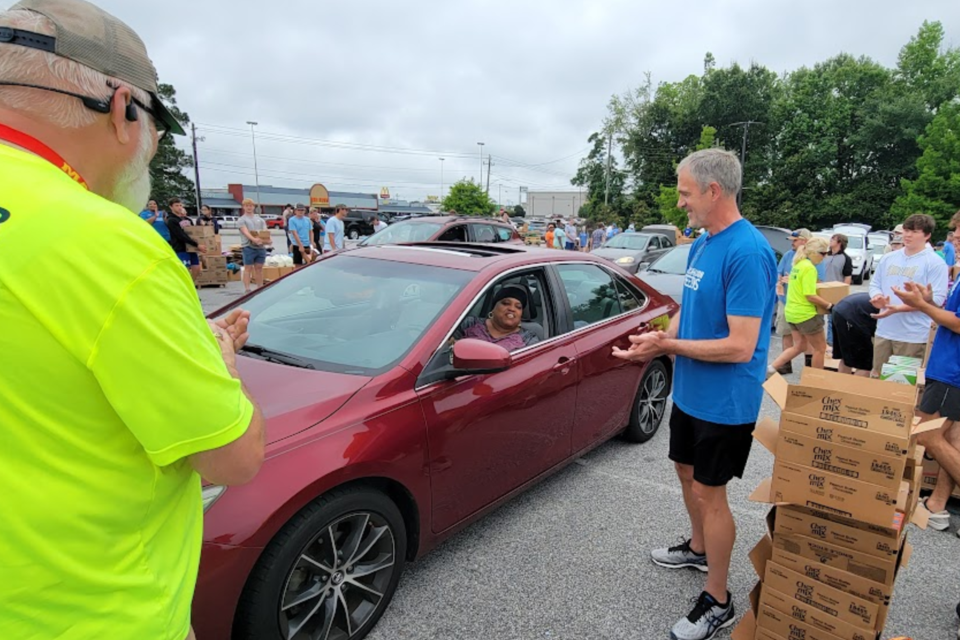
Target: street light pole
pixel 480 146
pixel 256 172
pixel 441 178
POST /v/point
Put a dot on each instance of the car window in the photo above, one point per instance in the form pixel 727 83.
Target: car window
pixel 592 293
pixel 404 232
pixel 654 242
pixel 456 233
pixel 672 262
pixel 505 234
pixel 483 233
pixel 352 315
pixel 666 242
pixel 631 241
pixel 630 300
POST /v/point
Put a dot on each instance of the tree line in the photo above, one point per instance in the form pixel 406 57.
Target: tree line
pixel 848 140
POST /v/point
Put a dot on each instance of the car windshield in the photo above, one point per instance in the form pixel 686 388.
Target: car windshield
pixel 672 262
pixel 406 231
pixel 352 315
pixel 853 242
pixel 633 242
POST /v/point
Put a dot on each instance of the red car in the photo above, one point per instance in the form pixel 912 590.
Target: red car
pixel 386 435
pixel 446 229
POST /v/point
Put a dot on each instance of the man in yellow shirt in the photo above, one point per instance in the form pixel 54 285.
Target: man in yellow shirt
pixel 116 395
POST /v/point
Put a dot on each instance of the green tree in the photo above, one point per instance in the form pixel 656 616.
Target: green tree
pixel 927 69
pixel 519 211
pixel 592 176
pixel 667 205
pixel 467 198
pixel 936 190
pixel 167 170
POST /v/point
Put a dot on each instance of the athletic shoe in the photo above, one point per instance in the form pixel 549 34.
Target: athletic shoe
pixel 770 370
pixel 940 520
pixel 705 620
pixel 786 369
pixel 679 557
pixel 807 360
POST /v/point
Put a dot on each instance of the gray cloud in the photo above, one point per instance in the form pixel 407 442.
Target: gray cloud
pixel 530 79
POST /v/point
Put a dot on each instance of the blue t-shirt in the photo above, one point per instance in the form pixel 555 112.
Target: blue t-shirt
pixel 731 273
pixel 784 269
pixel 159 224
pixel 303 226
pixel 949 254
pixel 821 272
pixel 583 239
pixel 944 364
pixel 335 226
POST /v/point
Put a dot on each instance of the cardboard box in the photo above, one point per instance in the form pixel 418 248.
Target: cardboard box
pixel 210 246
pixel 832 292
pixel 264 234
pixel 899 374
pixel 197 232
pixel 812 616
pixel 776 624
pixel 850 437
pixel 933 334
pixel 271 273
pixel 214 262
pixel 213 276
pixel 844 607
pixel 864 588
pixel 234 276
pixel 807 450
pixel 882 542
pixel 879 570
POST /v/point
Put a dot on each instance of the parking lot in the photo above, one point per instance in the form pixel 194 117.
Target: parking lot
pixel 569 558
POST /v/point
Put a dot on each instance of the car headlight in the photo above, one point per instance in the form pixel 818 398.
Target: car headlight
pixel 625 260
pixel 211 494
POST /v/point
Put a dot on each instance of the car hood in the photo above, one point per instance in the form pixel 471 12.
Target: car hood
pixel 613 254
pixel 294 399
pixel 668 284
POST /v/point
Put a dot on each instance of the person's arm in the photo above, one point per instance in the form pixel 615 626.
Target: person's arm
pixel 246 232
pixel 150 219
pixel 183 236
pixel 876 282
pixel 919 298
pixel 848 269
pixel 738 347
pixel 940 283
pixel 203 407
pixel 808 285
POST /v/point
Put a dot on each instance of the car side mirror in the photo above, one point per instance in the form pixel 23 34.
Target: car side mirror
pixel 471 357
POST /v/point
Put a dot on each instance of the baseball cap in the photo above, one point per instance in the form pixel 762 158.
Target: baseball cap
pixel 300 206
pixel 898 228
pixel 802 233
pixel 92 37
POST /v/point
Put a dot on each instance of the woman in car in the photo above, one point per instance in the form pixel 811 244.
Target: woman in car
pixel 502 324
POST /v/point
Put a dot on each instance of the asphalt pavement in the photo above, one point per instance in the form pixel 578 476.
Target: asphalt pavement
pixel 569 559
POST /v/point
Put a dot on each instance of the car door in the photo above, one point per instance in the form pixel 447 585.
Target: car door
pixel 605 310
pixel 489 434
pixel 484 233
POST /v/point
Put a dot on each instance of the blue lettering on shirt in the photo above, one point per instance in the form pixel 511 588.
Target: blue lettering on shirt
pixel 732 273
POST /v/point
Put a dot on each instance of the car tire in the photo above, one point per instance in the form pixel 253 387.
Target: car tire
pixel 301 571
pixel 650 403
pixel 858 279
pixel 354 233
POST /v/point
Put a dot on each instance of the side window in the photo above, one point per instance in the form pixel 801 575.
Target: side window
pixel 456 233
pixel 592 293
pixel 504 234
pixel 483 233
pixel 629 299
pixel 666 242
pixel 654 243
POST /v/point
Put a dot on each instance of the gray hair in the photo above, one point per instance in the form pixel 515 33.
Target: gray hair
pixel 714 165
pixel 32 66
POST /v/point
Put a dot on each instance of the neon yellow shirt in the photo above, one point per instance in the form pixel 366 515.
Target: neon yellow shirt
pixel 109 379
pixel 803 283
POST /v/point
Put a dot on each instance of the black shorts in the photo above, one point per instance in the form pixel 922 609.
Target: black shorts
pixel 851 345
pixel 939 397
pixel 297 256
pixel 717 452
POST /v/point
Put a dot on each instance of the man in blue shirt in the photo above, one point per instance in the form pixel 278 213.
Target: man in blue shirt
pixel 949 252
pixel 720 341
pixel 156 219
pixel 299 228
pixel 334 229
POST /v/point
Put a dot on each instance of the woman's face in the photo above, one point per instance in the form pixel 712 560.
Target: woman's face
pixel 817 257
pixel 507 313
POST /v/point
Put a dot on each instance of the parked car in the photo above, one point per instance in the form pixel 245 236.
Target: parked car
pixel 856 248
pixel 358 223
pixel 633 250
pixel 273 221
pixel 229 222
pixel 778 237
pixel 445 229
pixel 411 438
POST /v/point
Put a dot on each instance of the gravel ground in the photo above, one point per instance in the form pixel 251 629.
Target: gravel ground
pixel 569 558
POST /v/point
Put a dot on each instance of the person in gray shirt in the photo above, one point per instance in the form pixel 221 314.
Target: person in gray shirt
pixel 838 267
pixel 252 247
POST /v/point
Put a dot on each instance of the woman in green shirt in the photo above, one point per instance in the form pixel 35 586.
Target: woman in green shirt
pixel 801 308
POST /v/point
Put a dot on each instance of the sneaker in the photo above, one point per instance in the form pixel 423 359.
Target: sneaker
pixel 807 360
pixel 705 620
pixel 940 520
pixel 770 370
pixel 786 369
pixel 679 557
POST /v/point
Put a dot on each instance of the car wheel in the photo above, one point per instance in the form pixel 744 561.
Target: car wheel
pixel 329 574
pixel 858 279
pixel 354 233
pixel 650 403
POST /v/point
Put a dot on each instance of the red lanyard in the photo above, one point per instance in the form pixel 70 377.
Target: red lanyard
pixel 36 147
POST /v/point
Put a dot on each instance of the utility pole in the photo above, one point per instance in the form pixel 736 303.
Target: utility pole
pixel 441 178
pixel 500 196
pixel 256 173
pixel 196 167
pixel 606 195
pixel 489 164
pixel 743 154
pixel 480 178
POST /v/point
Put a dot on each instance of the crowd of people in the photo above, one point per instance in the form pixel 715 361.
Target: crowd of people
pixel 110 452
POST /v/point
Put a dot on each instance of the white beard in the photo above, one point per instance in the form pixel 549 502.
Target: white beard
pixel 132 187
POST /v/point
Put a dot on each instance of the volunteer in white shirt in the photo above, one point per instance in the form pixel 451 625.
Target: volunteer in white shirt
pixel 378 224
pixel 901 330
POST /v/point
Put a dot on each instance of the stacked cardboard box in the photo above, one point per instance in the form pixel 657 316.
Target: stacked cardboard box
pixel 274 273
pixel 214 270
pixel 846 478
pixel 209 242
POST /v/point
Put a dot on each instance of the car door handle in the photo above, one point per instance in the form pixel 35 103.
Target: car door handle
pixel 564 363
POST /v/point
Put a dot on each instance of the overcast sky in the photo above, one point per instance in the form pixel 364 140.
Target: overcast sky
pixel 530 78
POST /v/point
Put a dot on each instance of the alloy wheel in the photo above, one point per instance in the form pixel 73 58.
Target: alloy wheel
pixel 652 401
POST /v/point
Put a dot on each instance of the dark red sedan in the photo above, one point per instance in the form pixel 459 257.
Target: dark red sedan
pixel 387 433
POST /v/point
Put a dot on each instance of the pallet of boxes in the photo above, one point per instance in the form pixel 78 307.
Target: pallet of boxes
pixel 846 476
pixel 213 262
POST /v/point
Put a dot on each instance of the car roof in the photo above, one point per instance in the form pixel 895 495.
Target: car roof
pixel 468 256
pixel 449 219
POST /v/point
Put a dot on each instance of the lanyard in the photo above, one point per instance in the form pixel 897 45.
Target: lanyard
pixel 36 147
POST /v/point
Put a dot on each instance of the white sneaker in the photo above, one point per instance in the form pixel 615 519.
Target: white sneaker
pixel 939 520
